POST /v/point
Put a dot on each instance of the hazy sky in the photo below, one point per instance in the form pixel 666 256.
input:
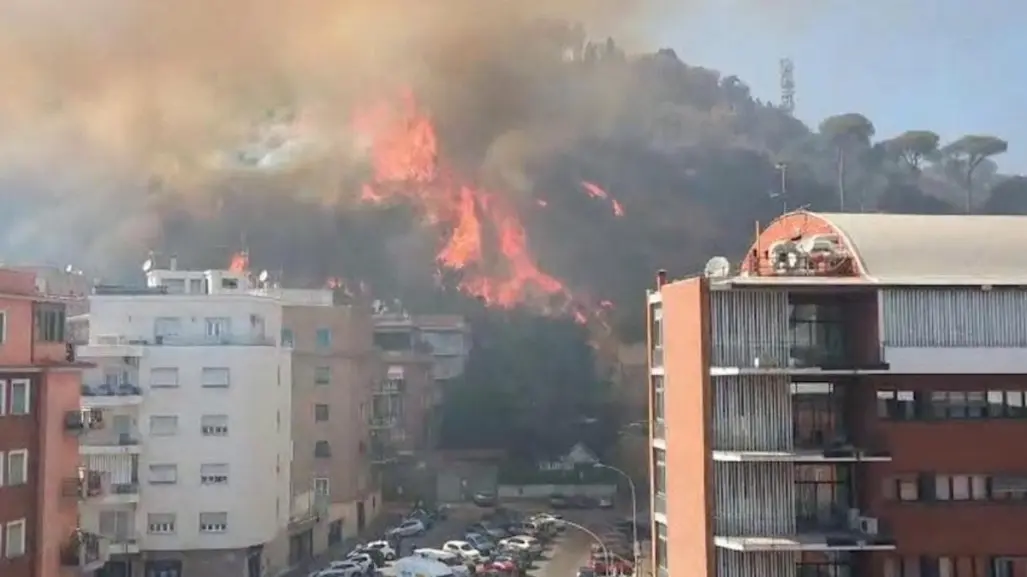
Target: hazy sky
pixel 953 66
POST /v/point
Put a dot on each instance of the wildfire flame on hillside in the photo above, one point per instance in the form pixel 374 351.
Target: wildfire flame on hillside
pixel 407 167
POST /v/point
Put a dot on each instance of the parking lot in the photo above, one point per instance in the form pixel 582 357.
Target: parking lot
pixel 561 558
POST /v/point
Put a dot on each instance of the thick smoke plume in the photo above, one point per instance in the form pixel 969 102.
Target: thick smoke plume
pixel 123 120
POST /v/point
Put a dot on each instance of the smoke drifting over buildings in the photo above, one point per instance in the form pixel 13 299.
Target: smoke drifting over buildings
pixel 119 113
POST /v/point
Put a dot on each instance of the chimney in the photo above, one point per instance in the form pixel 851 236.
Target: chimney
pixel 661 278
pixel 173 264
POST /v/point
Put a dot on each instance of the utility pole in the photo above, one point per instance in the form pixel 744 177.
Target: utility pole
pixel 782 192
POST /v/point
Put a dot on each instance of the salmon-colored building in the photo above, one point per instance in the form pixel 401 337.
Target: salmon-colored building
pixel 849 401
pixel 40 484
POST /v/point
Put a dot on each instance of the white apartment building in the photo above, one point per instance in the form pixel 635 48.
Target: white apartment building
pixel 188 442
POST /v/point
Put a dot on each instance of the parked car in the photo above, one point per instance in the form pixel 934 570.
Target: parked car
pixel 383 547
pixel 425 566
pixel 483 544
pixel 485 499
pixel 524 543
pixel 456 563
pixel 464 549
pixel 559 502
pixel 604 503
pixel 586 572
pixel 503 564
pixel 408 528
pixel 345 569
pixel 614 564
pixel 365 561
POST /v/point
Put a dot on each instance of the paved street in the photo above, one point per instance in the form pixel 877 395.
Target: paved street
pixel 566 554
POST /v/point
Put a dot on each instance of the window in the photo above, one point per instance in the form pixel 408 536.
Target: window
pixel 321 487
pixel 118 525
pixel 324 338
pixel 20 399
pixel 215 377
pixel 163 425
pixel 213 522
pixel 658 399
pixel 1003 566
pixel 49 323
pixel 214 425
pixel 160 523
pixel 1008 488
pixel 166 327
pixel 322 449
pixel 3 327
pixel 214 474
pixel 320 413
pixel 218 327
pixel 322 375
pixel 163 474
pixel 660 474
pixel 1006 405
pixel 896 405
pixel 163 377
pixel 661 546
pixel 287 338
pixel 3 397
pixel 15 539
pixel 656 334
pixel 902 487
pixel 17 467
pixel 196 286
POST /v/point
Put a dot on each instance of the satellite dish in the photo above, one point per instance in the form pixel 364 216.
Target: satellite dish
pixel 717 267
pixel 148 265
pixel 263 276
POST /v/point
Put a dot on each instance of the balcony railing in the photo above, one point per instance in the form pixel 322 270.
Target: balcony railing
pixel 660 503
pixel 786 354
pixel 384 422
pixel 838 444
pixel 840 524
pixel 105 438
pixel 659 429
pixel 106 390
pixel 84 550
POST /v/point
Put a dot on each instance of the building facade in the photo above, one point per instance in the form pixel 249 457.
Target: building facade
pixel 186 442
pixel 846 402
pixel 335 369
pixel 39 477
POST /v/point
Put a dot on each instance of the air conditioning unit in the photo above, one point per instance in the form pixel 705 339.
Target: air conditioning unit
pixel 868 525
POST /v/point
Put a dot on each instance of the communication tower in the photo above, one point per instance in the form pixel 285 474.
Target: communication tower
pixel 787 85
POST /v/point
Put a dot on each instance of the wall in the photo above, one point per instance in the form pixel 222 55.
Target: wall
pixel 258 405
pixel 955 447
pixel 686 313
pixel 544 491
pixel 58 463
pixel 132 316
pixel 354 369
pixel 22 501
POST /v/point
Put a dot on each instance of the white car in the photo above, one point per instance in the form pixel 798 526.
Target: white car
pixel 522 543
pixel 365 561
pixel 383 546
pixel 454 562
pixel 464 549
pixel 343 569
pixel 408 528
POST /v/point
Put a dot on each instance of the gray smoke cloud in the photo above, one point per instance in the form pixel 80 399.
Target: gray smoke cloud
pixel 119 113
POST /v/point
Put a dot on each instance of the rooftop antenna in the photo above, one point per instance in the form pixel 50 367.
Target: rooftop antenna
pixel 787 73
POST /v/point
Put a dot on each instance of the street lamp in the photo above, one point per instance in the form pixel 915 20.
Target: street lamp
pixel 606 552
pixel 634 506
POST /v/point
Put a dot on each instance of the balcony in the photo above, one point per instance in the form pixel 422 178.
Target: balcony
pixel 85 551
pixel 123 542
pixel 105 396
pixel 660 503
pixel 109 346
pixel 739 357
pixel 105 441
pixel 388 422
pixel 659 429
pixel 819 527
pixel 390 387
pixel 102 490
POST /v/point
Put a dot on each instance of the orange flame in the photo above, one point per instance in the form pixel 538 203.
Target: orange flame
pixel 595 191
pixel 407 167
pixel 240 262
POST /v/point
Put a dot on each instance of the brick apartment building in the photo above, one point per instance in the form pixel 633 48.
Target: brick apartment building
pixel 847 402
pixel 39 478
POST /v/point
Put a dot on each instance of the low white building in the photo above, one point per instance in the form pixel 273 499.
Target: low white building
pixel 188 444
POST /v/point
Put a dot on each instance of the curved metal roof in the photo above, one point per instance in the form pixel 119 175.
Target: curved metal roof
pixel 936 249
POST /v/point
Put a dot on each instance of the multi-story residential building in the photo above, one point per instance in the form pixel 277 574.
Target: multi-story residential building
pixel 421 355
pixel 847 402
pixel 334 370
pixel 39 477
pixel 186 445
